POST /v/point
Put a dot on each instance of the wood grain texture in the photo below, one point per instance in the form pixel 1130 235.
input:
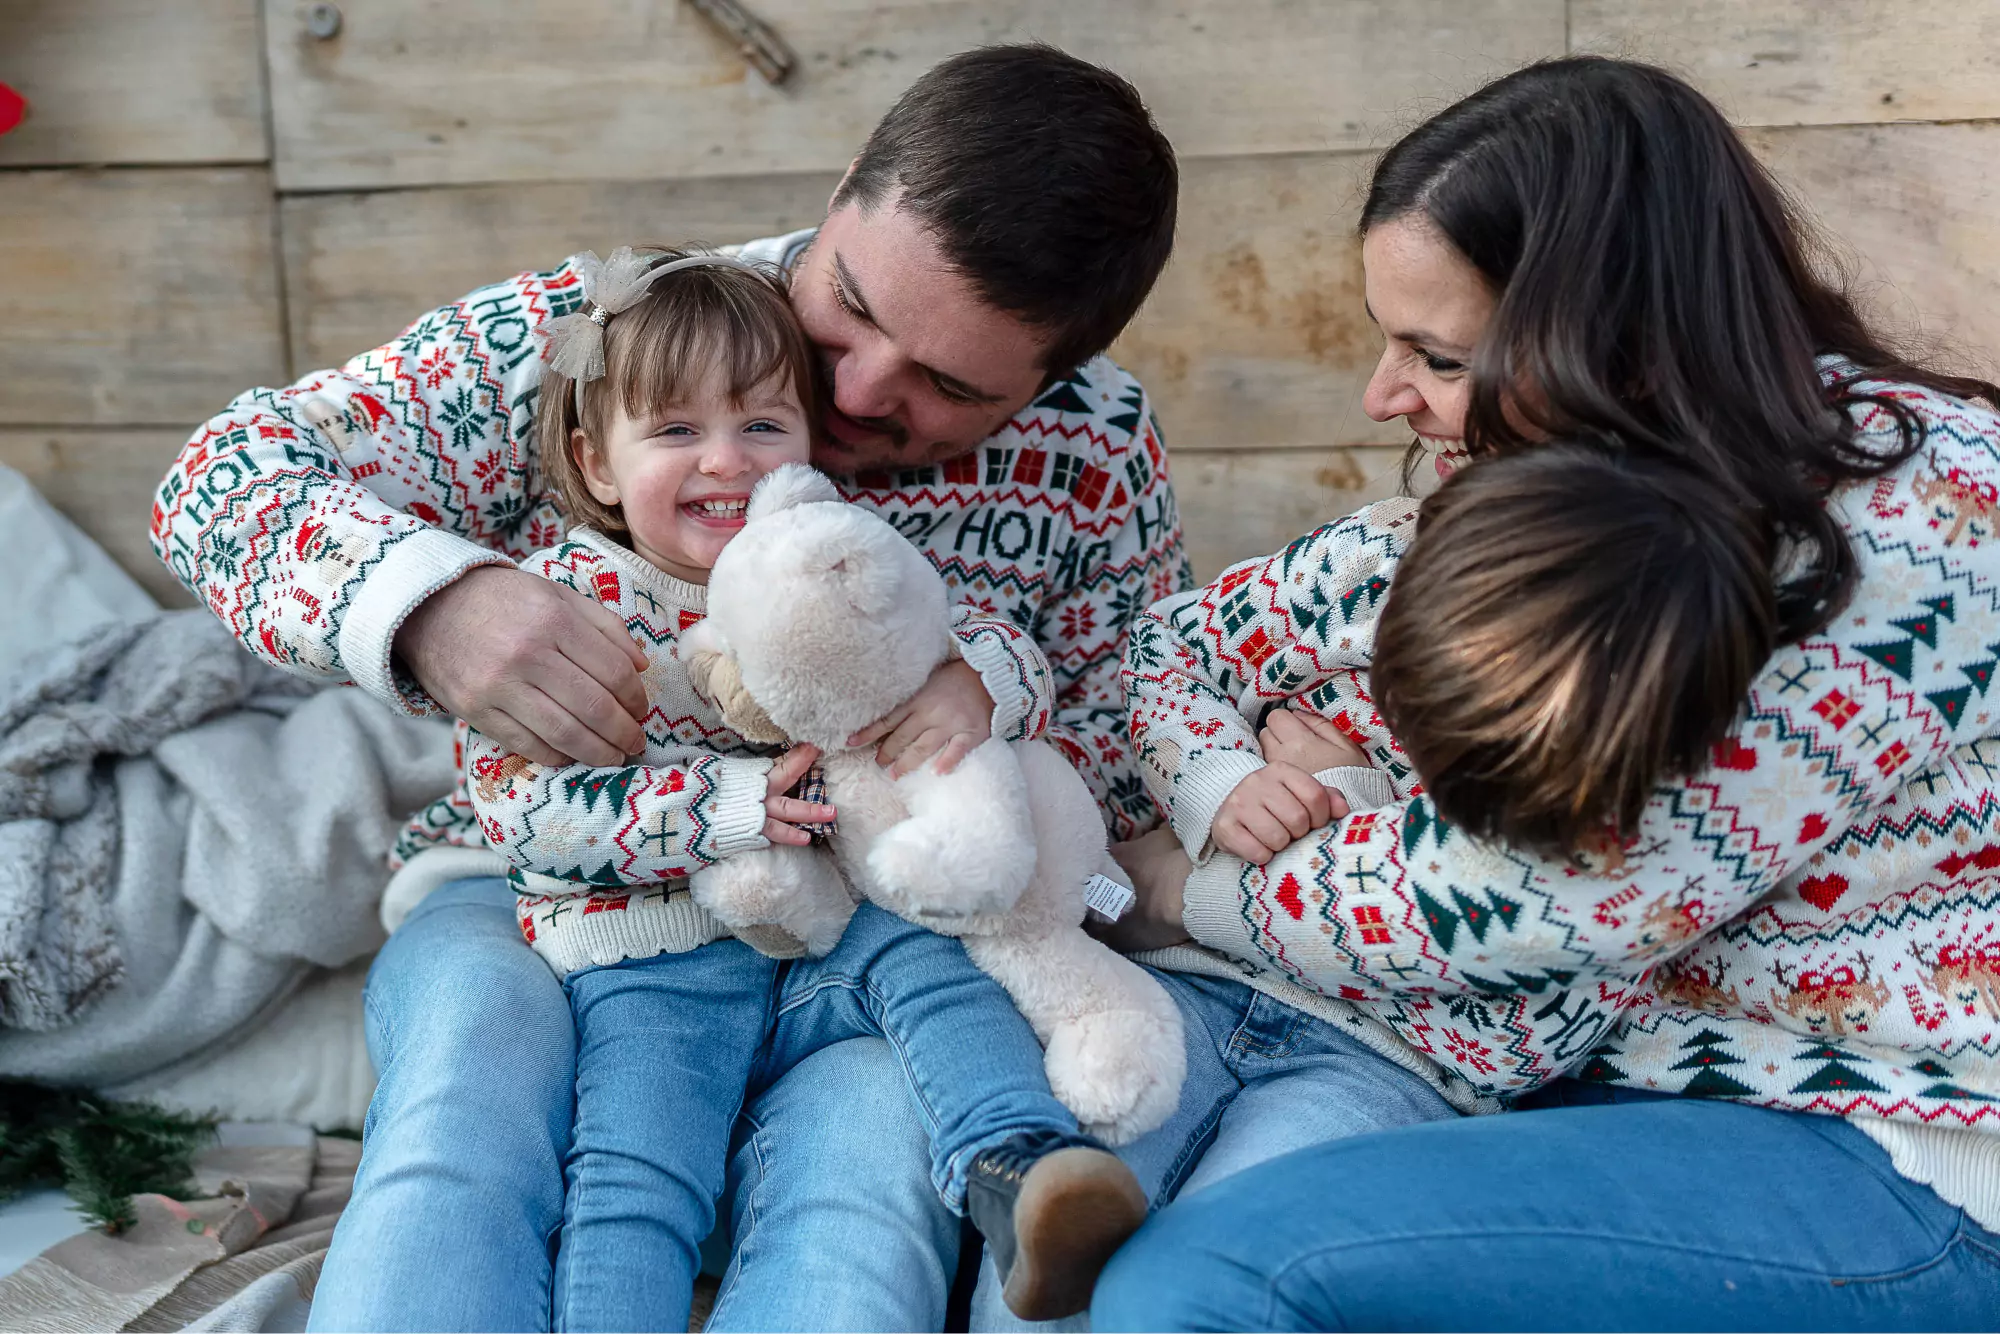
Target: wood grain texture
pixel 361 267
pixel 1915 213
pixel 147 296
pixel 457 91
pixel 133 81
pixel 104 481
pixel 1256 336
pixel 1813 62
pixel 1237 504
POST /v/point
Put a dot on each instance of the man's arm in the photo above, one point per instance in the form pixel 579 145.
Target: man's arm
pixel 1133 563
pixel 341 528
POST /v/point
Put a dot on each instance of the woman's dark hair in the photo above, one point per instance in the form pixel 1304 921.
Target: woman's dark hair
pixel 1571 626
pixel 1655 286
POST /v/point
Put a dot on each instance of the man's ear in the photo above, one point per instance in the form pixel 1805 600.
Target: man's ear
pixel 589 460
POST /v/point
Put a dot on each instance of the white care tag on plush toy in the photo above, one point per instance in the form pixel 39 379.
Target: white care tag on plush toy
pixel 1107 898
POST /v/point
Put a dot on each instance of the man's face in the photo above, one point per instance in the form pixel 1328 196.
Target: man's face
pixel 919 368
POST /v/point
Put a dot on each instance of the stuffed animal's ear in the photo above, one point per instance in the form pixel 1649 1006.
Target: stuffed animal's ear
pixel 789 486
pixel 866 577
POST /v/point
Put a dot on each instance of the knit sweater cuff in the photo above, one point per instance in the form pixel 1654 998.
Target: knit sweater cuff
pixel 1206 779
pixel 1212 908
pixel 1000 672
pixel 1364 788
pixel 736 806
pixel 415 567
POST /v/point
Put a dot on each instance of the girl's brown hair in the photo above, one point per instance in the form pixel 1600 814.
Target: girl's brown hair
pixel 1572 626
pixel 658 353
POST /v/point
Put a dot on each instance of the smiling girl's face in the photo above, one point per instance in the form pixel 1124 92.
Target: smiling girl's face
pixel 1432 306
pixel 682 477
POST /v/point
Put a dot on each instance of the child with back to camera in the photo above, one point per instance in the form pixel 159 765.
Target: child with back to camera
pixel 1568 627
pixel 682 381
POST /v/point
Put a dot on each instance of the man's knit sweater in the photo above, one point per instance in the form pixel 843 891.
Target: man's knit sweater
pixel 314 519
pixel 1809 924
pixel 600 857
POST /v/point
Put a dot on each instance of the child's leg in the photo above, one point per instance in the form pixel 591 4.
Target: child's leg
pixel 664 1051
pixel 972 1060
pixel 1052 1203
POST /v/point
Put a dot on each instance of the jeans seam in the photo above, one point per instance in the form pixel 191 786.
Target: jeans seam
pixel 733 1273
pixel 1191 1150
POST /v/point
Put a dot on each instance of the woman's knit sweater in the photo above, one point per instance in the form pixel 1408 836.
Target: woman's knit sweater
pixel 1812 923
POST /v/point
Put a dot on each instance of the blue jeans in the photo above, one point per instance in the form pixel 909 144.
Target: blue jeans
pixel 1263 1080
pixel 1638 1212
pixel 457 1207
pixel 665 1050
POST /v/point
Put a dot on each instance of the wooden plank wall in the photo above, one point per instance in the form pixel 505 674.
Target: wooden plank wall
pixel 207 195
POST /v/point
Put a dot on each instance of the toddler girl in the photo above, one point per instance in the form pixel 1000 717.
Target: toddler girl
pixel 683 380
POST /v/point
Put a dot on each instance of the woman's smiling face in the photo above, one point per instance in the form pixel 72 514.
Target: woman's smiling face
pixel 1432 307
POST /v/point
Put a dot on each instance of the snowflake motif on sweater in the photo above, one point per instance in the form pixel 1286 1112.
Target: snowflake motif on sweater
pixel 1809 924
pixel 313 519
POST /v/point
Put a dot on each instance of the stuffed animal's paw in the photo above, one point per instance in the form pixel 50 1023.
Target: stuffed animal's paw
pixel 926 873
pixel 1119 1071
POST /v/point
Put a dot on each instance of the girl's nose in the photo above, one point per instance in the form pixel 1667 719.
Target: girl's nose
pixel 725 457
pixel 1390 394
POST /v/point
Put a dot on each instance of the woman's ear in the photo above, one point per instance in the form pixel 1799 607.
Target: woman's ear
pixel 590 462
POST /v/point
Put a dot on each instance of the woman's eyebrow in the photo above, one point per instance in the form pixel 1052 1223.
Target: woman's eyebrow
pixel 1416 336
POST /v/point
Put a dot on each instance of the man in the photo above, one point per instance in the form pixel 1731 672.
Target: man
pixel 998 230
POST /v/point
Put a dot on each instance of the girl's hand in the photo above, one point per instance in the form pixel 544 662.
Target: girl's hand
pixel 1270 810
pixel 1307 741
pixel 783 814
pixel 949 716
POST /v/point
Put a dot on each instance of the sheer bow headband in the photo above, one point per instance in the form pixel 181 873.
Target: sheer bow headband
pixel 576 342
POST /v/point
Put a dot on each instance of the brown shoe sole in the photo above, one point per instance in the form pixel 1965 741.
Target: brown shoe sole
pixel 1075 1209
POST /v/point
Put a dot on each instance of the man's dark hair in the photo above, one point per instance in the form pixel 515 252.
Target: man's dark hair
pixel 1572 626
pixel 1045 181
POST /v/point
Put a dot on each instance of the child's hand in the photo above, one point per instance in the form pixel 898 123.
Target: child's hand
pixel 782 814
pixel 1270 810
pixel 1307 741
pixel 947 717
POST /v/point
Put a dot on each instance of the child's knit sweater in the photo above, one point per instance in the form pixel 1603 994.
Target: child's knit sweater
pixel 313 519
pixel 1809 924
pixel 600 856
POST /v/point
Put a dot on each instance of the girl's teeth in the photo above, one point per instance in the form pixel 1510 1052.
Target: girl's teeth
pixel 722 509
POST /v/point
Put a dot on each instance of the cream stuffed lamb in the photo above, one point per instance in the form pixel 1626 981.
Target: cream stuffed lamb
pixel 822 618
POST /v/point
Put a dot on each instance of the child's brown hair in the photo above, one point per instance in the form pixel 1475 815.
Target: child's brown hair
pixel 656 354
pixel 1570 627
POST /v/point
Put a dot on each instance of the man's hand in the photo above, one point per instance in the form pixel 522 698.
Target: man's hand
pixel 541 669
pixel 1158 870
pixel 950 715
pixel 1307 741
pixel 1271 809
pixel 783 814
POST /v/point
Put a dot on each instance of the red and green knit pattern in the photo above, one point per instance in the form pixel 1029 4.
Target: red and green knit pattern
pixel 312 519
pixel 1808 924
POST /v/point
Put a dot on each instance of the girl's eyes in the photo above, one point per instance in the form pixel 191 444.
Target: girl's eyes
pixel 681 430
pixel 675 428
pixel 779 427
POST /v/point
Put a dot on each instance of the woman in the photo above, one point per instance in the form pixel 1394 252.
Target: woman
pixel 1586 246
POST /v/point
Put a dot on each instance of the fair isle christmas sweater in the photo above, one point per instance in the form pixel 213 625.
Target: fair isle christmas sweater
pixel 313 519
pixel 1812 923
pixel 600 856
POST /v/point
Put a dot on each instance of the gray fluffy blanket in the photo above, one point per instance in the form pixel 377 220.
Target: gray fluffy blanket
pixel 184 833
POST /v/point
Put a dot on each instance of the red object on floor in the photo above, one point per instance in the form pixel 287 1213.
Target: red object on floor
pixel 13 106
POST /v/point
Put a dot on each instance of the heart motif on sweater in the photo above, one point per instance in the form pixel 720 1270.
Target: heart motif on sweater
pixel 1823 891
